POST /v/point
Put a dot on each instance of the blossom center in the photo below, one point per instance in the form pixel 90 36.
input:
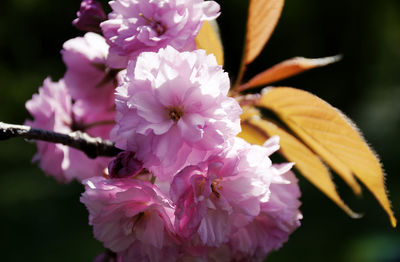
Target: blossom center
pixel 137 219
pixel 175 113
pixel 215 185
pixel 154 24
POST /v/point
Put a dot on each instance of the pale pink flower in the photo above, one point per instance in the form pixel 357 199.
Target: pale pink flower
pixel 52 109
pixel 252 238
pixel 173 110
pixel 211 196
pixel 90 82
pixel 278 218
pixel 87 77
pixel 131 217
pixel 136 26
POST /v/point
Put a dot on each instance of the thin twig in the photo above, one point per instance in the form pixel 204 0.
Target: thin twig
pixel 91 146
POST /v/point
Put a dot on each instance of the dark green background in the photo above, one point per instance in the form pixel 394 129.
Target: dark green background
pixel 41 220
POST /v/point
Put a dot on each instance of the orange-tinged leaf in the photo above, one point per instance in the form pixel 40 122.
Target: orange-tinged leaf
pixel 209 40
pixel 308 164
pixel 287 69
pixel 293 107
pixel 262 18
pixel 332 136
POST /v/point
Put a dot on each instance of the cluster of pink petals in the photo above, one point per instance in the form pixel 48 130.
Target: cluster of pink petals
pixel 136 26
pixel 278 218
pixel 83 100
pixel 52 109
pixel 235 206
pixel 87 76
pixel 173 110
pixel 210 196
pixel 132 218
pixel 185 188
pixel 90 82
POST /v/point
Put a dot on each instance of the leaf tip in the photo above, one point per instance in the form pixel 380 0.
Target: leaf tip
pixel 356 188
pixel 329 60
pixel 354 215
pixel 393 221
pixel 348 210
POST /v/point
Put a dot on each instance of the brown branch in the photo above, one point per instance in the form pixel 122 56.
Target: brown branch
pixel 91 146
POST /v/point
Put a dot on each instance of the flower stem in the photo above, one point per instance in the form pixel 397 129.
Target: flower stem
pixel 91 146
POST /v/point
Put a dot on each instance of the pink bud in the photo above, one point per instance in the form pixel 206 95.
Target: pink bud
pixel 90 15
pixel 125 165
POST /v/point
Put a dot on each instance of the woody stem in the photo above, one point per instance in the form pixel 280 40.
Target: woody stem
pixel 92 146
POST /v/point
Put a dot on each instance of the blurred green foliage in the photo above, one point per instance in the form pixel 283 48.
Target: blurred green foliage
pixel 43 221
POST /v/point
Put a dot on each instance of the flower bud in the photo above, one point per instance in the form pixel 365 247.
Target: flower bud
pixel 125 165
pixel 90 15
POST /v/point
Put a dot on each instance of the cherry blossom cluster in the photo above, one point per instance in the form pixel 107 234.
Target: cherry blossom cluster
pixel 185 187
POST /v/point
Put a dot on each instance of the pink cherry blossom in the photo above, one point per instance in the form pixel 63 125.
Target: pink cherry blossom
pixel 211 196
pixel 87 77
pixel 251 237
pixel 132 218
pixel 91 83
pixel 147 25
pixel 52 109
pixel 173 110
pixel 278 218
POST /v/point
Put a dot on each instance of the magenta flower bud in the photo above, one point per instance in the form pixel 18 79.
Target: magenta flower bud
pixel 90 15
pixel 125 165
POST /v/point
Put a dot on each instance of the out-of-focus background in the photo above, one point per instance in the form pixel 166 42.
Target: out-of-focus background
pixel 41 220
